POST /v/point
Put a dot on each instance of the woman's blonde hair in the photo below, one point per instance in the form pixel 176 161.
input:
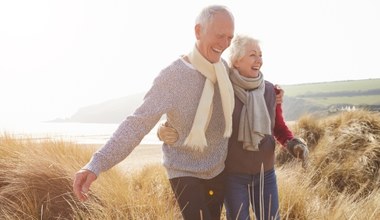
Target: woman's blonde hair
pixel 238 47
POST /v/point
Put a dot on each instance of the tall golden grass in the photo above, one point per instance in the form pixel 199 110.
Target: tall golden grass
pixel 340 181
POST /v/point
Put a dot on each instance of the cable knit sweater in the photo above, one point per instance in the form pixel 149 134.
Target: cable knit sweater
pixel 175 92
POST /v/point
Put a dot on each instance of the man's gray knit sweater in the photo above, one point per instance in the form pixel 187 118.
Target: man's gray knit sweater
pixel 175 92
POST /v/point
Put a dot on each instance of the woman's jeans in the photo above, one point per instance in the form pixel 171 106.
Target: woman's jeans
pixel 241 189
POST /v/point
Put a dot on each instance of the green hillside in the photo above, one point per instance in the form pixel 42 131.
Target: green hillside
pixel 353 92
pixel 326 97
pixel 332 87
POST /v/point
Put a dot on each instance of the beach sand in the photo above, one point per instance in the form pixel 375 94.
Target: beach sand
pixel 141 156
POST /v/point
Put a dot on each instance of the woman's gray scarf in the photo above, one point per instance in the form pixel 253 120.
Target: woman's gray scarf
pixel 254 119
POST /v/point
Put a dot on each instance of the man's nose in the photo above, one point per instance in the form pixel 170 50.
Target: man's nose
pixel 226 42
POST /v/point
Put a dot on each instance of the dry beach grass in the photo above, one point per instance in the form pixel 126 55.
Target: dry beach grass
pixel 340 181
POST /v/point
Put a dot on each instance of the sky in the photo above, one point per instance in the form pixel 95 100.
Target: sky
pixel 58 56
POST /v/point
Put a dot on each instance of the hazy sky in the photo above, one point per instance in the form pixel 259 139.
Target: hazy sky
pixel 57 56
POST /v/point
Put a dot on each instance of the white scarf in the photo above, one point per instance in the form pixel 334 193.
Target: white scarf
pixel 214 72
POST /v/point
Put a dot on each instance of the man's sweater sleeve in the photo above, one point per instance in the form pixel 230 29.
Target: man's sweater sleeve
pixel 281 130
pixel 133 129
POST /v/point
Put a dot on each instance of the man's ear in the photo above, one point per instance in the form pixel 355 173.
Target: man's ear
pixel 198 30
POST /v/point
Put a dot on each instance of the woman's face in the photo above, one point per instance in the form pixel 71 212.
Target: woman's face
pixel 249 65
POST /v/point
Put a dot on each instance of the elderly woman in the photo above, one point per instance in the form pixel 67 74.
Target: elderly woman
pixel 257 123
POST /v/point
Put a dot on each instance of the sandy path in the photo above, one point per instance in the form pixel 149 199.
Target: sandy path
pixel 142 155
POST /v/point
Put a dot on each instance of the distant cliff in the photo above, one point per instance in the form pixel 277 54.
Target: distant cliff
pixel 111 111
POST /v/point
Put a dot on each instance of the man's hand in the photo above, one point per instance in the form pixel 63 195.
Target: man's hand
pixel 298 148
pixel 167 133
pixel 82 182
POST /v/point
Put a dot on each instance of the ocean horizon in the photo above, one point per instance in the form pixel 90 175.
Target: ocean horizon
pixel 81 133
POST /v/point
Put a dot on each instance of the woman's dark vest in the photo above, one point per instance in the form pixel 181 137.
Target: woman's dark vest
pixel 249 162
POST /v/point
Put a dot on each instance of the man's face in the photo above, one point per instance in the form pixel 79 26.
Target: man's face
pixel 213 39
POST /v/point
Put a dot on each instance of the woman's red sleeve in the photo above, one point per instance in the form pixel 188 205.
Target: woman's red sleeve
pixel 281 131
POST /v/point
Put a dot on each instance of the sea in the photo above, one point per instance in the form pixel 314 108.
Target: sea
pixel 81 133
